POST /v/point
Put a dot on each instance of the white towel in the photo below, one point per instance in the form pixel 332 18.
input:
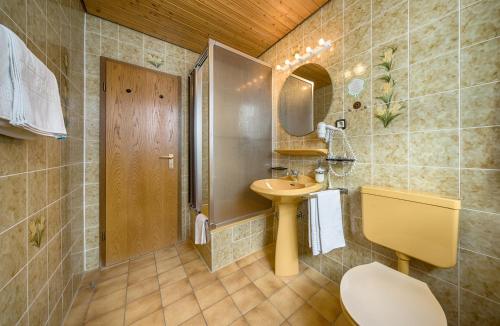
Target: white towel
pixel 201 229
pixel 325 222
pixel 29 94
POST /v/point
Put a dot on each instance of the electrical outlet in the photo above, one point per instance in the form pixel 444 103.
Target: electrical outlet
pixel 341 124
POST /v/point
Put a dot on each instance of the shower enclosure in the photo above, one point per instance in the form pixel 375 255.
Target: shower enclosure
pixel 230 134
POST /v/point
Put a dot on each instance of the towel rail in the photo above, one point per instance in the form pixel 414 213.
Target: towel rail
pixel 342 191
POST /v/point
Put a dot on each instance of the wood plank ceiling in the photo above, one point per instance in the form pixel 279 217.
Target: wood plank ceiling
pixel 251 26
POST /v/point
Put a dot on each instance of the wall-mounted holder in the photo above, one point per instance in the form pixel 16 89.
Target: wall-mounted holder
pixel 341 124
pixel 36 229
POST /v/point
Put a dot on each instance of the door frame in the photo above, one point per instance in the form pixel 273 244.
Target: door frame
pixel 102 153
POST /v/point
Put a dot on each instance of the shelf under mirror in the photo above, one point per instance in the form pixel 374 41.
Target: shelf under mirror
pixel 302 151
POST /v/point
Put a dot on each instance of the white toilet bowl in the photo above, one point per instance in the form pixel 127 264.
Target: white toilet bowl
pixel 374 294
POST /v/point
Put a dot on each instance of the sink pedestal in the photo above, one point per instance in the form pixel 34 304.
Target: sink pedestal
pixel 287 249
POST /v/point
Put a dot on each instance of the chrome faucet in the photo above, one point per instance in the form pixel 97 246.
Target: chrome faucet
pixel 294 174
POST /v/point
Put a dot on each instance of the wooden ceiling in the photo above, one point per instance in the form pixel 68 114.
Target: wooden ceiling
pixel 251 26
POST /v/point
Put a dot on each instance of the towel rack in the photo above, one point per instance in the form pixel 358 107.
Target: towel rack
pixel 342 191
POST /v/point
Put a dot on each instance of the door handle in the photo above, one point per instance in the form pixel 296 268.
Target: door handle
pixel 170 158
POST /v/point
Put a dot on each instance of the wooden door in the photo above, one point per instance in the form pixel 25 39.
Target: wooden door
pixel 139 199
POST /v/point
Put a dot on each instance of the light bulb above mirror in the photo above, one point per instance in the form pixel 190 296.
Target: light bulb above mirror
pixel 310 52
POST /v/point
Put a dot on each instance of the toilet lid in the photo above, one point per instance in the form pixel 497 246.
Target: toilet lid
pixel 374 294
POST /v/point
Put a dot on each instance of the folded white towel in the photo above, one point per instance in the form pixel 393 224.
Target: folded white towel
pixel 28 89
pixel 201 229
pixel 325 222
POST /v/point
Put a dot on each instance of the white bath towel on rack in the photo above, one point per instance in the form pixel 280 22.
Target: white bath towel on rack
pixel 325 222
pixel 29 94
pixel 201 229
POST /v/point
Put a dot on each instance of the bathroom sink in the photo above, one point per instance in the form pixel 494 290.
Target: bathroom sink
pixel 286 193
pixel 285 189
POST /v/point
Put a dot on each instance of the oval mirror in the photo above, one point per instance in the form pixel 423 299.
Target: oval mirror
pixel 305 99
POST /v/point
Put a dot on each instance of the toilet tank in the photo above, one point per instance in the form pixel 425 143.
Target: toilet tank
pixel 420 225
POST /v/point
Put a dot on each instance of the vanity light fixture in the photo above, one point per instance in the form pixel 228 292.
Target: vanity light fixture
pixel 298 58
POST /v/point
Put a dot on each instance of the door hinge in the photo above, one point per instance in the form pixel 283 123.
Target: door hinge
pixel 104 86
pixel 103 235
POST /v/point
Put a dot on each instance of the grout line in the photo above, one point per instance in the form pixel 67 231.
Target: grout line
pixel 408 120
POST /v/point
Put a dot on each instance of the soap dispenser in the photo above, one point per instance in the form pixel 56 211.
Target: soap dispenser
pixel 319 173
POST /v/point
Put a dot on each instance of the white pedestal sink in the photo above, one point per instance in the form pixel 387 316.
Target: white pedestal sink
pixel 287 194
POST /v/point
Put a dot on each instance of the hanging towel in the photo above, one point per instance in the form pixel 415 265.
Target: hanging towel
pixel 201 229
pixel 325 222
pixel 29 94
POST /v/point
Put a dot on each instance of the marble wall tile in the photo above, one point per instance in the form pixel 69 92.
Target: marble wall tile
pixel 480 63
pixel 477 310
pixel 13 299
pixel 435 75
pixel 53 219
pixel 480 189
pixel 434 39
pixel 13 251
pixel 332 9
pixel 130 36
pixel 331 269
pixel 54 253
pixel 434 148
pixel 37 158
pixel 14 158
pixel 39 311
pixel 480 105
pixel 479 274
pixel 434 112
pixel 380 6
pixel 391 149
pixel 13 204
pixel 423 12
pixel 354 255
pixel 357 41
pixel 442 181
pixel 109 29
pixel 356 15
pixel 479 232
pixel 37 275
pixel 395 176
pixel 392 24
pixel 479 22
pixel 480 148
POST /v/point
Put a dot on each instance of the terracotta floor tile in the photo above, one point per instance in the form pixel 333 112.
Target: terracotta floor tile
pixel 197 320
pixel 269 284
pixel 109 286
pixel 286 301
pixel 304 287
pixel 332 288
pixel 165 265
pixel 195 266
pixel 222 313
pixel 172 276
pixel 264 314
pixel 142 274
pixel 141 262
pixel 210 294
pixel 181 310
pixel 246 260
pixel 225 271
pixel 247 298
pixel 112 318
pixel 306 315
pixel 201 279
pixel 188 256
pixel 154 319
pixel 326 304
pixel 240 322
pixel 254 270
pixel 185 246
pixel 166 253
pixel 235 281
pixel 267 263
pixel 142 288
pixel 316 276
pixel 142 307
pixel 174 291
pixel 76 316
pixel 106 304
pixel 83 296
pixel 113 271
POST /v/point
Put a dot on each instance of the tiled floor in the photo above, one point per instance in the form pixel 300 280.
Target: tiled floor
pixel 174 287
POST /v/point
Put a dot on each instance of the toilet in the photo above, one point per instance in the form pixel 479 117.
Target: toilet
pixel 416 225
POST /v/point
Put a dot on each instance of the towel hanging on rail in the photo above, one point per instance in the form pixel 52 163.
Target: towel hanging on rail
pixel 29 94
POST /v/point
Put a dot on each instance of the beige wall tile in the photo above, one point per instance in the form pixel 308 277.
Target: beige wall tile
pixel 480 189
pixel 435 148
pixel 392 24
pixel 13 300
pixel 357 15
pixel 109 29
pixel 13 203
pixel 478 232
pixel 440 181
pixel 37 275
pixel 13 251
pixel 480 148
pixel 480 105
pixel 480 63
pixel 357 41
pixel 423 12
pixel 391 149
pixel 476 310
pixel 14 155
pixel 37 154
pixel 434 39
pixel 434 112
pixel 433 76
pixel 478 274
pixel 391 176
pixel 479 22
